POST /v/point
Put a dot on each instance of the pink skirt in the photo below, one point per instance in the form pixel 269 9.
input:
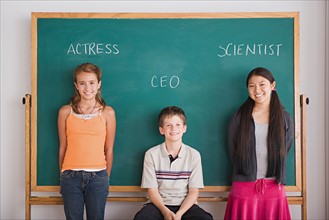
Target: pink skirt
pixel 262 199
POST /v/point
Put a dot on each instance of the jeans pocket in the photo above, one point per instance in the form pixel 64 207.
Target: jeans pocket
pixel 101 174
pixel 66 173
pixel 102 179
pixel 66 177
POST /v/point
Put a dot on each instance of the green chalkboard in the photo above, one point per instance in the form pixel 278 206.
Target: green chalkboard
pixel 149 62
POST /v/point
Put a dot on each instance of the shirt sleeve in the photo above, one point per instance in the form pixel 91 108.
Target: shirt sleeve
pixel 149 179
pixel 196 178
pixel 290 129
pixel 232 130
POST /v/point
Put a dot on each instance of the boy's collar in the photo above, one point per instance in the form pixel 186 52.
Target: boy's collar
pixel 165 153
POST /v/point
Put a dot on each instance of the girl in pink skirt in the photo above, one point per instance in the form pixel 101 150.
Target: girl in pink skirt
pixel 260 137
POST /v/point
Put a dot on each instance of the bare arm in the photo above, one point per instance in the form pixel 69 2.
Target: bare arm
pixel 109 115
pixel 158 202
pixel 190 199
pixel 61 122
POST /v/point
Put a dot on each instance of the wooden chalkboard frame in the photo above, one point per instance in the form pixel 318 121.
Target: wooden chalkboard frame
pixel 33 123
pixel 30 101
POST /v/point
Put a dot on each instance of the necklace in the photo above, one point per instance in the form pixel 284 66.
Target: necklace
pixel 86 116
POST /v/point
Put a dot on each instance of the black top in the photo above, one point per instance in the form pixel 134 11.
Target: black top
pixel 232 134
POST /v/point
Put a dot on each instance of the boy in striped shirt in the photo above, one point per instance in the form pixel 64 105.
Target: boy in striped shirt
pixel 172 173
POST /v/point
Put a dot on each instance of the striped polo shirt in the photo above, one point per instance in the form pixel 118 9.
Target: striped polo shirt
pixel 173 179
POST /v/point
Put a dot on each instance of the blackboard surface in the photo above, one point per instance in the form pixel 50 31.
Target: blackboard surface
pixel 150 63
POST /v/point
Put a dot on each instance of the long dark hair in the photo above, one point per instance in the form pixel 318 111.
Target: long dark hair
pixel 276 145
pixel 89 68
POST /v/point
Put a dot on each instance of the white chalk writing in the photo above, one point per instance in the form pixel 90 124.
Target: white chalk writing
pixel 249 49
pixel 93 48
pixel 165 81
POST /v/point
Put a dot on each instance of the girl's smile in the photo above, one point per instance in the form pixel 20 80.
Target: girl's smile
pixel 87 85
pixel 260 89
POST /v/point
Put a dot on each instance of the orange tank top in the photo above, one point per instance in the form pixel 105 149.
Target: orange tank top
pixel 85 143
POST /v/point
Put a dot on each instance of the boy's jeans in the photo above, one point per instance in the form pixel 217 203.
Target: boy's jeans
pixel 79 188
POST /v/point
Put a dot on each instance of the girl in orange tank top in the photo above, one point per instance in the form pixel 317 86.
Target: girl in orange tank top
pixel 86 130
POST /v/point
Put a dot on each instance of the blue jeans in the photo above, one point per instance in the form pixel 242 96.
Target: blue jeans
pixel 81 188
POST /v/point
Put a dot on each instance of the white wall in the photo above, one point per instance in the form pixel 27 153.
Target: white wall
pixel 16 82
pixel 327 108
